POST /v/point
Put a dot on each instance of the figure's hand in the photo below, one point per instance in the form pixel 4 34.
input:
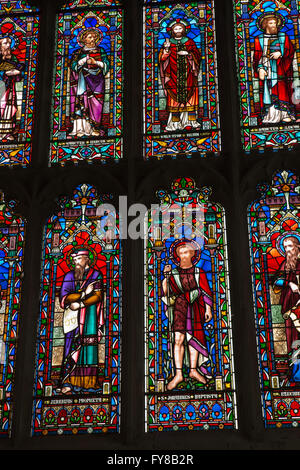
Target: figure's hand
pixel 183 53
pixel 167 269
pixel 91 61
pixel 262 74
pixel 89 289
pixel 208 313
pixel 75 306
pixel 166 46
pixel 275 55
pixel 82 61
pixel 294 287
pixel 12 72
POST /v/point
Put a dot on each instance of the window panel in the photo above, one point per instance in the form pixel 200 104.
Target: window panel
pixel 19 32
pixel 12 233
pixel 188 348
pixel 274 248
pixel 267 47
pixel 77 383
pixel 181 114
pixel 88 84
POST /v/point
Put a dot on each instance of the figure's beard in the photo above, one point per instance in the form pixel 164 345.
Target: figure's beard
pixel 6 53
pixel 177 35
pixel 291 260
pixel 272 30
pixel 186 262
pixel 78 272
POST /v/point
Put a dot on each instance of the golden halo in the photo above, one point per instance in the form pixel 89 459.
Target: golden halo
pixel 274 14
pixel 86 31
pixel 281 238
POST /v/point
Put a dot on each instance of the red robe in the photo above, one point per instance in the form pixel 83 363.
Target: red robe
pixel 281 87
pixel 192 293
pixel 179 75
pixel 288 300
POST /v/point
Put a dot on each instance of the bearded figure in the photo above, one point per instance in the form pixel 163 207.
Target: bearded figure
pixel 287 284
pixel 192 308
pixel 180 61
pixel 273 66
pixel 81 298
pixel 89 66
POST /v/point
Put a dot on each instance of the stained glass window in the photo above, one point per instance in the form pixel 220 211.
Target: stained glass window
pixel 180 80
pixel 188 348
pixel 19 30
pixel 267 44
pixel 274 230
pixel 88 82
pixel 77 384
pixel 12 228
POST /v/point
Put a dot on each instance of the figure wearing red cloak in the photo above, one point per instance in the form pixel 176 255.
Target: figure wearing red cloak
pixel 288 301
pixel 287 284
pixel 179 69
pixel 273 59
pixel 191 291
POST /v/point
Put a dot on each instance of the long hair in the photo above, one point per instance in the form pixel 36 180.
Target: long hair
pixel 267 19
pixel 6 53
pixel 292 257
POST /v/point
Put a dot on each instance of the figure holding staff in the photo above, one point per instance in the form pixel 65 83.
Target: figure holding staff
pixel 191 300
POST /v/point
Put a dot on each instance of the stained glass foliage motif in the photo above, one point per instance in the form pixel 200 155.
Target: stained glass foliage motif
pixel 181 115
pixel 188 346
pixel 77 383
pixel 274 231
pixel 19 32
pixel 268 57
pixel 12 232
pixel 88 85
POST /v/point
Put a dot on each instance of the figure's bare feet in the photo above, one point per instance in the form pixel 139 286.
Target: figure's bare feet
pixel 194 374
pixel 66 389
pixel 175 381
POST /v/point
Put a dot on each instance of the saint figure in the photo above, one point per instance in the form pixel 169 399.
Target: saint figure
pixel 81 297
pixel 191 300
pixel 89 65
pixel 10 74
pixel 179 61
pixel 287 284
pixel 273 66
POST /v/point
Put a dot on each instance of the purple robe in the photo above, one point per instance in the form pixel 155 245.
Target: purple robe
pixel 78 339
pixel 88 85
